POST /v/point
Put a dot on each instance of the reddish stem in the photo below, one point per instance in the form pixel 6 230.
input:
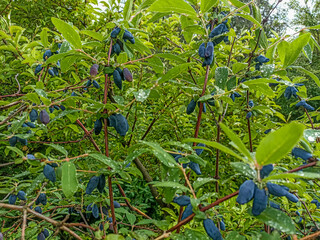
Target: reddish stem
pixel 201 105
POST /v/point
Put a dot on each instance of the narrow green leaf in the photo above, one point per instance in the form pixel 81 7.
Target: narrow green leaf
pixel 93 34
pixel 105 160
pixel 67 32
pixel 302 175
pixel 69 179
pixel 16 150
pixel 170 185
pixel 240 4
pixel 250 18
pixel 67 62
pixel 215 145
pixel 277 219
pixel 206 5
pixel 314 27
pixel 221 77
pixel 174 72
pixel 313 76
pixel 133 155
pixel 237 141
pixel 162 155
pixel 295 48
pixel 237 67
pixel 114 237
pixel 277 144
pixel 201 181
pixel 244 169
pixel 44 37
pixel 58 148
pixel 127 10
pixel 235 236
pixel 173 6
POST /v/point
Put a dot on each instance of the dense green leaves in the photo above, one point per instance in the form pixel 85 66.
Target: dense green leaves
pixel 174 6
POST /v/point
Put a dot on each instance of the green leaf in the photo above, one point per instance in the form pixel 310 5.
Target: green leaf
pixel 33 97
pixel 235 236
pixel 302 175
pixel 279 143
pixel 206 5
pixel 221 77
pixel 133 155
pixel 314 27
pixel 250 18
pixel 239 4
pixel 93 34
pixel 169 184
pixel 196 159
pixel 215 145
pixel 58 148
pixel 64 113
pixel 55 58
pixel 127 10
pixel 174 72
pixel 173 6
pixel 277 219
pixel 140 46
pixel 313 76
pixel 201 181
pixel 114 237
pixel 16 150
pixel 67 62
pixel 237 141
pixel 308 52
pixel 170 56
pixel 244 169
pixel 237 67
pixel 69 179
pixel 44 37
pixel 289 52
pixel 105 160
pixel 122 58
pixel 67 32
pixel 162 155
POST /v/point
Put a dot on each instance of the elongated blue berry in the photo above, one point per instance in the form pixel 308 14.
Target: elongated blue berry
pixel 260 201
pixel 211 229
pixel 246 192
pixel 182 200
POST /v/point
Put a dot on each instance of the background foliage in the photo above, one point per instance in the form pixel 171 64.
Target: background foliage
pixel 168 74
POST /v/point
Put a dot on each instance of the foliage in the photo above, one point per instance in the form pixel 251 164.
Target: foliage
pixel 69 71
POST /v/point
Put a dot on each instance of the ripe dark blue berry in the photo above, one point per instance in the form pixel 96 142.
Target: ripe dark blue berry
pixel 246 192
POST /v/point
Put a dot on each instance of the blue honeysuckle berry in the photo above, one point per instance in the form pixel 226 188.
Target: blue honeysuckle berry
pixel 300 153
pixel 262 59
pixel 305 105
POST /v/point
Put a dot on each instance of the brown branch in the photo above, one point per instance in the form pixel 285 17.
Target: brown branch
pixel 24 224
pixel 137 60
pixel 53 222
pixel 22 108
pixel 201 104
pixel 10 105
pixel 305 206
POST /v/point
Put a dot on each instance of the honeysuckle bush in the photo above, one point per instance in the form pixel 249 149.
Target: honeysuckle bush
pixel 242 130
